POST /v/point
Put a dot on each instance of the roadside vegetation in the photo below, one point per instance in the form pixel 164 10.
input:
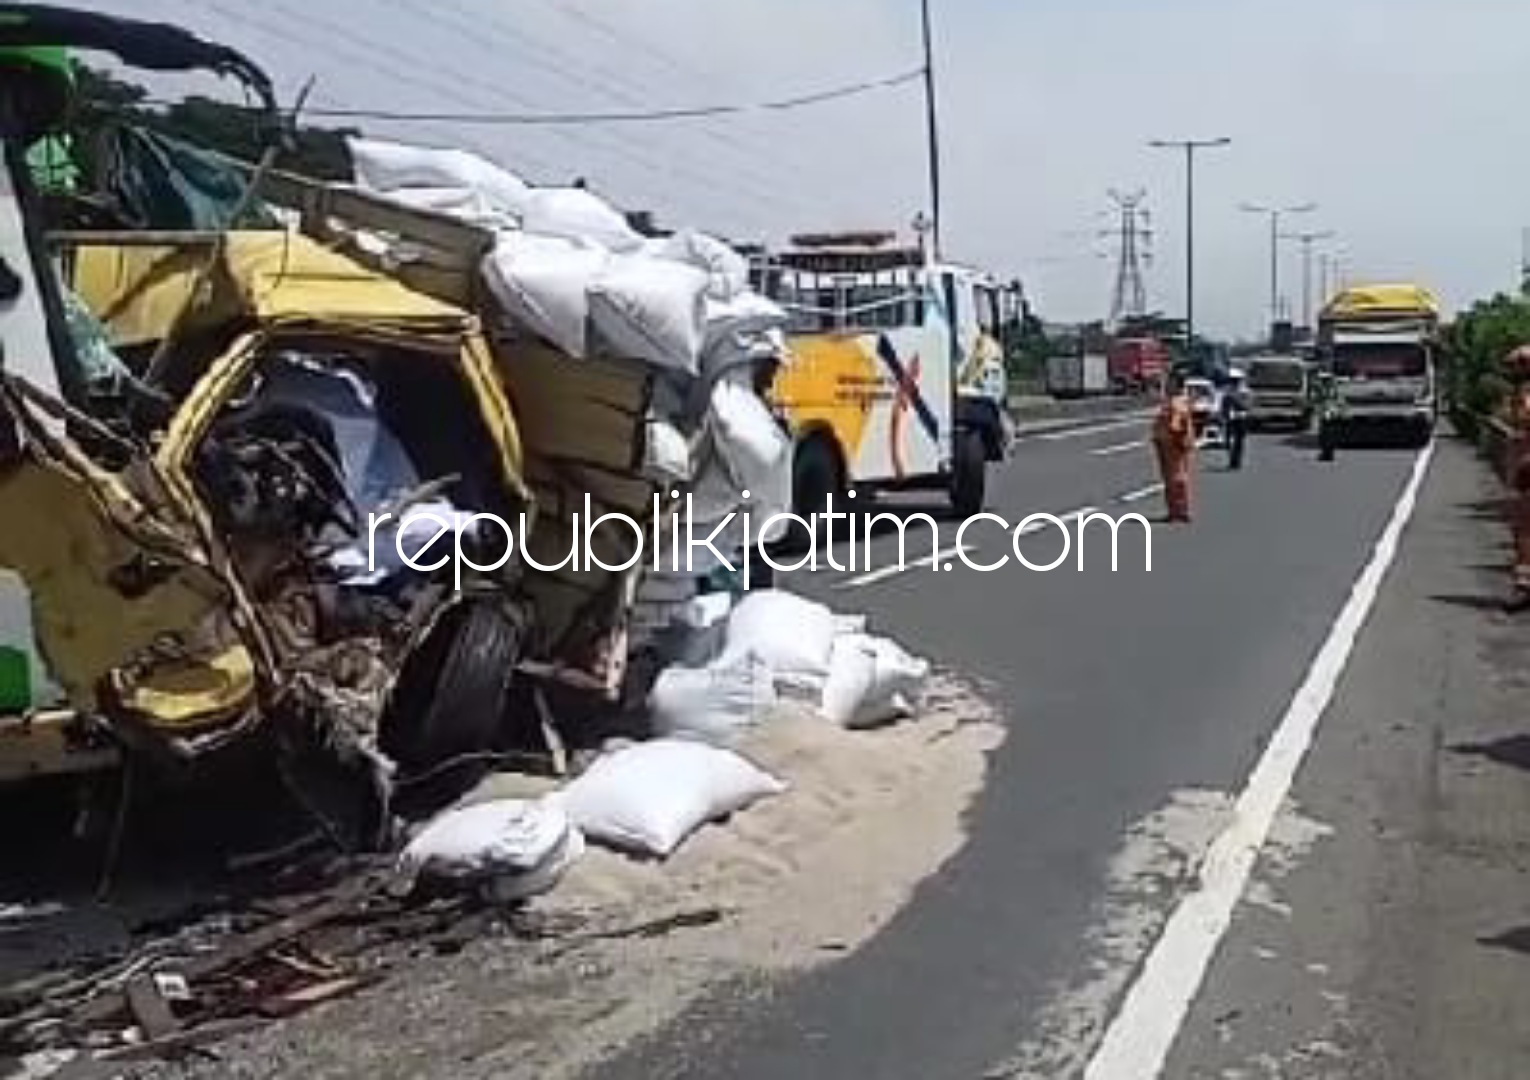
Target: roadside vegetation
pixel 1475 345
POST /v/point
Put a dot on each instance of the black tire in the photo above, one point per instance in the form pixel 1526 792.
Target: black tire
pixel 816 474
pixel 1423 432
pixel 447 706
pixel 969 473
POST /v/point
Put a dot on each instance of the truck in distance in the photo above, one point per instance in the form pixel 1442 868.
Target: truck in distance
pixel 1076 375
pixel 1279 393
pixel 1138 364
pixel 1376 346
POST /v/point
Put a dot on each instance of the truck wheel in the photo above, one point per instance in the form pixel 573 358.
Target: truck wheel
pixel 816 474
pixel 1423 432
pixel 969 473
pixel 447 706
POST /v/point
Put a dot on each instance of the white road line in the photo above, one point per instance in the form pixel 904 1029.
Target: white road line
pixel 892 569
pixel 1094 429
pixel 1140 494
pixel 1139 1038
pixel 884 572
pixel 1072 515
pixel 1121 448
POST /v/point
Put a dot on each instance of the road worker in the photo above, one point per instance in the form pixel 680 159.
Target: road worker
pixel 1174 441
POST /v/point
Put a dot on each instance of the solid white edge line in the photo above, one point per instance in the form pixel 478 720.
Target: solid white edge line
pixel 1140 494
pixel 1141 1035
pixel 1119 448
pixel 892 569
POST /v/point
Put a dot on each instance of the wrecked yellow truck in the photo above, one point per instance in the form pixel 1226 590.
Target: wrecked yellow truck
pixel 221 585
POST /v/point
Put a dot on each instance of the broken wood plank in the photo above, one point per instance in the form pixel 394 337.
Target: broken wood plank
pixel 305 997
pixel 183 1041
pixel 149 1009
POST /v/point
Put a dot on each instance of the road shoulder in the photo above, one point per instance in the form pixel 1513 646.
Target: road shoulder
pixel 1381 935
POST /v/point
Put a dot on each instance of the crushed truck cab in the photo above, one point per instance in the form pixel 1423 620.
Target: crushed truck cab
pixel 219 583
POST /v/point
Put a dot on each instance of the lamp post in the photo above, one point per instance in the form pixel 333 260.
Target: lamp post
pixel 1189 147
pixel 1275 213
pixel 932 127
pixel 1306 240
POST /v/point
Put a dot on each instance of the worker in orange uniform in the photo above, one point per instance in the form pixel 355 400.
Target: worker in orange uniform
pixel 1517 366
pixel 1174 440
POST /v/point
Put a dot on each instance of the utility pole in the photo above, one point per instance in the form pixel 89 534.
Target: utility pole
pixel 1306 240
pixel 932 128
pixel 1129 297
pixel 1275 213
pixel 1524 262
pixel 1189 147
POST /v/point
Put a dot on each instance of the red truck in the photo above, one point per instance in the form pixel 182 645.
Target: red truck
pixel 1137 364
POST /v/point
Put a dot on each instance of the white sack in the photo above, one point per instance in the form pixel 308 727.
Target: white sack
pixel 544 284
pixel 526 844
pixel 873 714
pixel 695 631
pixel 851 679
pixel 757 451
pixel 707 611
pixel 541 879
pixel 727 271
pixel 793 635
pixel 714 704
pixel 650 310
pixel 666 452
pixel 577 214
pixel 472 206
pixel 897 677
pixel 746 314
pixel 649 797
pixel 390 168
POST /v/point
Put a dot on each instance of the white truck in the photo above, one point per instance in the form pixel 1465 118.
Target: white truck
pixel 1076 376
pixel 1377 346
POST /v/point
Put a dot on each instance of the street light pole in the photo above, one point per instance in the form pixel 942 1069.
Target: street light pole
pixel 1275 213
pixel 932 128
pixel 1306 240
pixel 1189 147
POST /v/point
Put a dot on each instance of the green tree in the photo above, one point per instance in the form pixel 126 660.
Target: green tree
pixel 1474 346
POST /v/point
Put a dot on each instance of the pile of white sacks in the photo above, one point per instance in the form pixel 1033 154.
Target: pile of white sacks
pixel 569 269
pixel 645 798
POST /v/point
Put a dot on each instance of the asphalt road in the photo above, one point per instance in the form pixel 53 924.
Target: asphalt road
pixel 1137 703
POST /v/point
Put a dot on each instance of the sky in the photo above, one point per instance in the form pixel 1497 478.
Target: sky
pixel 1397 117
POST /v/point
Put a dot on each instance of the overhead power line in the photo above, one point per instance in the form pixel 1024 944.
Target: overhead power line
pixel 800 101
